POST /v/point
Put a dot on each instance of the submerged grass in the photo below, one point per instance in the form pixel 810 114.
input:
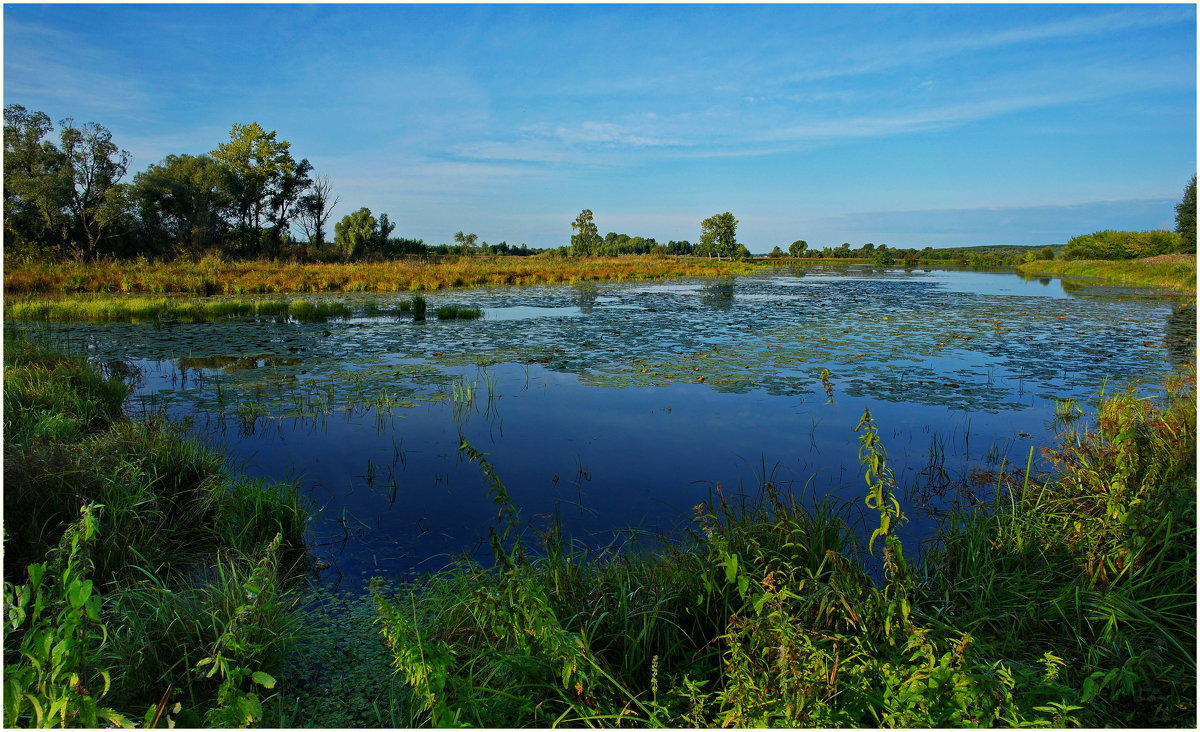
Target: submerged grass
pixel 1177 271
pixel 213 276
pixel 1071 602
pixel 188 566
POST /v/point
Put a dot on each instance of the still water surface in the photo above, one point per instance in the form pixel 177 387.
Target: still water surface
pixel 618 406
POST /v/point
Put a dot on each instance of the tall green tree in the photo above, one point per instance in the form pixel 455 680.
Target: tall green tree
pixel 182 204
pixel 355 233
pixel 69 195
pixel 718 235
pixel 383 232
pixel 257 168
pixel 1185 217
pixel 796 249
pixel 36 183
pixel 586 239
pixel 97 200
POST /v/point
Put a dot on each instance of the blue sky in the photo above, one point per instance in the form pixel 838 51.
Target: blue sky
pixel 906 125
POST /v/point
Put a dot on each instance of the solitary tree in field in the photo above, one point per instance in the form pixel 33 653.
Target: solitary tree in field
pixel 1185 217
pixel 586 240
pixel 718 235
pixel 466 242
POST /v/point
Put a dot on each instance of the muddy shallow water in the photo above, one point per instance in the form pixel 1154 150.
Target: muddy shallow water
pixel 618 405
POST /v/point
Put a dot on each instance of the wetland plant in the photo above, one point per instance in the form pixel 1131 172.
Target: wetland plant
pixel 827 385
pixel 183 562
pixel 765 619
pixel 768 616
pixel 458 312
pixel 1066 410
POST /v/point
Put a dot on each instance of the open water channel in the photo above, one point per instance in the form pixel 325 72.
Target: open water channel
pixel 616 408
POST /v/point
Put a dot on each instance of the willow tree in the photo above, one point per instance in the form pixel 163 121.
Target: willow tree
pixel 355 233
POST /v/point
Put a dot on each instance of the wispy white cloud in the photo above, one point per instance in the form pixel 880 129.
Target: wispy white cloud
pixel 927 50
pixel 609 133
pixel 917 120
pixel 55 68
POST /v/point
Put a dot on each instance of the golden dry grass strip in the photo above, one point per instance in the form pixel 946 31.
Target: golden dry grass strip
pixel 212 276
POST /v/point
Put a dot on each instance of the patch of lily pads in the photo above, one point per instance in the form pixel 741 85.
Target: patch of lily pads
pixel 882 335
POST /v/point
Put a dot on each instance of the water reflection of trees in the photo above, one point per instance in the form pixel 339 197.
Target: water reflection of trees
pixel 585 295
pixel 1181 333
pixel 1040 279
pixel 717 295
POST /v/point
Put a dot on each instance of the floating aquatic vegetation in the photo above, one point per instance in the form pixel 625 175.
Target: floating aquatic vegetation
pixel 885 336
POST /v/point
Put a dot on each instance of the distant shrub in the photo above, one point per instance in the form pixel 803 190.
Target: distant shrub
pixel 1110 244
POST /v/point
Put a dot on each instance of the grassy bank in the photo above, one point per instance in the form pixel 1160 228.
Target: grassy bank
pixel 1176 271
pixel 1069 602
pixel 212 276
pixel 142 582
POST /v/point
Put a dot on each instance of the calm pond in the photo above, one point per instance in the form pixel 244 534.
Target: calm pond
pixel 618 407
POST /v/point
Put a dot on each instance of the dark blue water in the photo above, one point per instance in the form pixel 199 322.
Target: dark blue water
pixel 618 408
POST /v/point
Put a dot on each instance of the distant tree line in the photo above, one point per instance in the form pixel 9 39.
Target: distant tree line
pixel 718 238
pixel 69 196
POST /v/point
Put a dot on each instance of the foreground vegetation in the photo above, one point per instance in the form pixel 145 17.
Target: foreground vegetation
pixel 1176 271
pixel 1070 601
pixel 142 583
pixel 157 590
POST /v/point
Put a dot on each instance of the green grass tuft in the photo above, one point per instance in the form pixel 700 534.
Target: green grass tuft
pixel 458 312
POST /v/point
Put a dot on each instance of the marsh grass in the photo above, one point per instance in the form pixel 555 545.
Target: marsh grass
pixel 212 276
pixel 189 562
pixel 1176 271
pixel 764 617
pixel 138 309
pixel 1097 561
pixel 458 312
pixel 1070 601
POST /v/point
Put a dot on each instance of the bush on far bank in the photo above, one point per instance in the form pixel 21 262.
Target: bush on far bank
pixel 1110 244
